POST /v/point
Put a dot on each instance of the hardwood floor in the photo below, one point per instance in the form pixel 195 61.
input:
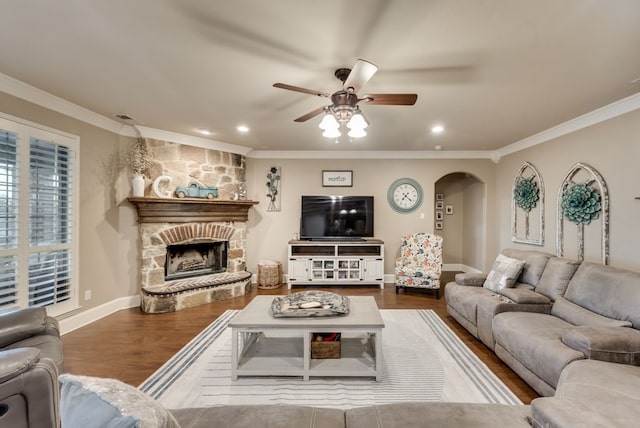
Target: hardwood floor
pixel 130 345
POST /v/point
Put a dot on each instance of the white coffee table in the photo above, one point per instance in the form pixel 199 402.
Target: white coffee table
pixel 266 346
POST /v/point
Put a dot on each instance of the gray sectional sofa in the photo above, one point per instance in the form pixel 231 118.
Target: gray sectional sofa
pixel 597 318
pixel 558 311
pixel 543 278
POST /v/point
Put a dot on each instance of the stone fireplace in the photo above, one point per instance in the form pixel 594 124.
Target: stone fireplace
pixel 193 252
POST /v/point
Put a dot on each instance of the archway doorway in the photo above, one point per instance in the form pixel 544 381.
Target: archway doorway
pixel 460 220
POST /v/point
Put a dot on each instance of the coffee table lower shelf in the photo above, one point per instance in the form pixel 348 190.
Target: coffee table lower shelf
pixel 266 353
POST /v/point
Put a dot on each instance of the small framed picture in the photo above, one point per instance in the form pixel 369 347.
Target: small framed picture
pixel 448 209
pixel 337 178
pixel 439 225
pixel 439 196
pixel 439 215
pixel 439 205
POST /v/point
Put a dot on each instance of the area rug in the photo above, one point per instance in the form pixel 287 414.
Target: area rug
pixel 423 360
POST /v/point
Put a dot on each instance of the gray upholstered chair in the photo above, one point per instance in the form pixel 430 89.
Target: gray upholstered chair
pixel 31 327
pixel 420 262
pixel 29 390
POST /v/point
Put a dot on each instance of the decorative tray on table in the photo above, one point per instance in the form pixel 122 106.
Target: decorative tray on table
pixel 311 303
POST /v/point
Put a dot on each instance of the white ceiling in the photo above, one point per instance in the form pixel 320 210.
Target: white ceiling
pixel 491 71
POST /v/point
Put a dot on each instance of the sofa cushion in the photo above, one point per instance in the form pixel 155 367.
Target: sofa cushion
pixel 556 412
pixel 258 415
pixel 613 344
pixel 504 272
pixel 608 395
pixel 577 315
pixel 99 402
pixel 535 340
pixel 556 276
pixel 534 264
pixel 608 291
pixel 440 415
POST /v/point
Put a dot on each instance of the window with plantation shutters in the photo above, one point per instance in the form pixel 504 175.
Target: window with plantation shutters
pixel 8 217
pixel 38 237
pixel 49 222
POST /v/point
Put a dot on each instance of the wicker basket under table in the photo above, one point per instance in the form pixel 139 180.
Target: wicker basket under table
pixel 269 275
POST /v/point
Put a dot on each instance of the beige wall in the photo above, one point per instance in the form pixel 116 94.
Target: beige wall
pixel 108 229
pixel 269 232
pixel 474 233
pixel 612 148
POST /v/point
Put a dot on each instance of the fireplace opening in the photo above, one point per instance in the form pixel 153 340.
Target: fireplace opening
pixel 187 260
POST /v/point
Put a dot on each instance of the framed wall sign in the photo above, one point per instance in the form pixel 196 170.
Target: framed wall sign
pixel 439 205
pixel 439 215
pixel 337 178
pixel 448 209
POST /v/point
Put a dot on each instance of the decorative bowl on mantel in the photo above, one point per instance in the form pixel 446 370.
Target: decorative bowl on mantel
pixel 312 303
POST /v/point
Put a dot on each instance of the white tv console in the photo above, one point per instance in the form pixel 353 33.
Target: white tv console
pixel 336 262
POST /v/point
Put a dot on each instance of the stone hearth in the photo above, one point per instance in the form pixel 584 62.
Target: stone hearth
pixel 158 232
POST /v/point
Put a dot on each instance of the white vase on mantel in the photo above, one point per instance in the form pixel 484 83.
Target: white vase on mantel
pixel 137 184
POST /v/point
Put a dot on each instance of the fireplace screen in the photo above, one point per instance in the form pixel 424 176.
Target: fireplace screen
pixel 187 260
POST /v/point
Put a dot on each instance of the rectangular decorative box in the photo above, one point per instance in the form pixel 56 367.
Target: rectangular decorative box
pixel 325 345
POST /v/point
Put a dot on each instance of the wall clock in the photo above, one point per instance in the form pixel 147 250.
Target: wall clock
pixel 405 195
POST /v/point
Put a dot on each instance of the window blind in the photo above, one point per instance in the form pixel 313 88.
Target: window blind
pixel 9 204
pixel 50 222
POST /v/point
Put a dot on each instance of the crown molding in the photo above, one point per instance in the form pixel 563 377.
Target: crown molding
pixel 370 154
pixel 174 137
pixel 616 108
pixel 44 99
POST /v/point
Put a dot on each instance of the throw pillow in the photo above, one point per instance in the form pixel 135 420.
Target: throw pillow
pixel 99 402
pixel 503 274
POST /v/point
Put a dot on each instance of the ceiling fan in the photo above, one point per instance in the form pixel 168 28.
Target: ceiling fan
pixel 344 109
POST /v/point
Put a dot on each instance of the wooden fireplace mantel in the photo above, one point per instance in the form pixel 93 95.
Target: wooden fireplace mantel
pixel 188 210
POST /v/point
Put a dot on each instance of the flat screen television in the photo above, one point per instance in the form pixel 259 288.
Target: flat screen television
pixel 336 217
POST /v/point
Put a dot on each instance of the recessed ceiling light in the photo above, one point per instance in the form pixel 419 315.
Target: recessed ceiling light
pixel 438 147
pixel 203 131
pixel 242 128
pixel 437 129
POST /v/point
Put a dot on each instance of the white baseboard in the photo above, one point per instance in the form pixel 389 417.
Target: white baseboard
pixel 74 322
pixel 469 269
pixel 459 267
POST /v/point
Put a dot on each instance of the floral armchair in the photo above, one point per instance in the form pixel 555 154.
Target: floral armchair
pixel 420 262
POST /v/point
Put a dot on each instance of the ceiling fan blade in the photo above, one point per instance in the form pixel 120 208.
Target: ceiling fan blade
pixel 390 99
pixel 360 74
pixel 309 115
pixel 299 89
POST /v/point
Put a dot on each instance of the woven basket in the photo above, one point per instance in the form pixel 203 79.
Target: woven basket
pixel 269 275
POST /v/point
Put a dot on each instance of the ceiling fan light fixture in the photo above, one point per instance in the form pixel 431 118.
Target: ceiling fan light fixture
pixel 357 121
pixel 331 133
pixel 357 133
pixel 328 122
